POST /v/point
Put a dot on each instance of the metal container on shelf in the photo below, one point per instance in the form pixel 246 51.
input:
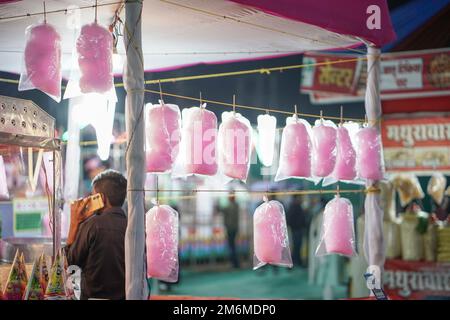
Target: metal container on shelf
pixel 31 248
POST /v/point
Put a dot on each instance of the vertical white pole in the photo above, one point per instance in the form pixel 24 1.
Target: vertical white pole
pixel 374 249
pixel 135 268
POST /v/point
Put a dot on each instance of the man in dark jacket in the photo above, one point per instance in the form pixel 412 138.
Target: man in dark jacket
pixel 97 244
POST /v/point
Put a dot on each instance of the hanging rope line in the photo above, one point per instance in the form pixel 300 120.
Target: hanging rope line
pixel 193 53
pixel 9 80
pixel 229 104
pixel 321 191
pixel 65 11
pixel 217 15
pixel 197 53
pixel 266 71
pixel 263 71
pixel 193 192
pixel 255 71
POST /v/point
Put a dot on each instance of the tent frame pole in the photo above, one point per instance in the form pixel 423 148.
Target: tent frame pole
pixel 135 269
pixel 374 248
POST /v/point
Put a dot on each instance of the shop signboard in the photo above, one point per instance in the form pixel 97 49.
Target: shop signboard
pixel 411 74
pixel 27 216
pixel 339 77
pixel 421 145
pixel 414 280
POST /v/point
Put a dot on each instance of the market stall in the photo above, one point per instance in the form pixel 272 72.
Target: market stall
pixel 417 206
pixel 27 130
pixel 284 24
pixel 373 238
pixel 31 217
pixel 414 95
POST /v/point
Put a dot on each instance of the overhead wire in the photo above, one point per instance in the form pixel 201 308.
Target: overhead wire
pixel 192 193
pixel 262 109
pixel 222 16
pixel 65 11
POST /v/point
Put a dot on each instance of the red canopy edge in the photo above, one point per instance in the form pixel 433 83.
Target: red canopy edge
pixel 348 17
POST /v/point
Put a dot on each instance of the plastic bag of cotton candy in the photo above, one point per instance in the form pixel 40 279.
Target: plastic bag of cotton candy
pixel 162 243
pixel 345 164
pixel 92 67
pixel 338 233
pixel 4 193
pixel 163 133
pixel 295 151
pixel 197 153
pixel 369 156
pixel 41 66
pixel 271 243
pixel 323 138
pixel 234 146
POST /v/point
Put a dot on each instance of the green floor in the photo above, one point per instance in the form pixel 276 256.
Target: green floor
pixel 247 284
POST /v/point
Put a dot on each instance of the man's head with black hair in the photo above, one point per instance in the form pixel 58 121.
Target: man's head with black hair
pixel 113 185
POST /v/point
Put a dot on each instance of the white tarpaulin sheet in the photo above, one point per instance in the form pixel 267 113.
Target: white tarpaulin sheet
pixel 174 33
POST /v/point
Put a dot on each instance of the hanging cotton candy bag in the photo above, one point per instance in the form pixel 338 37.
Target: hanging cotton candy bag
pixel 162 243
pixel 271 243
pixel 295 151
pixel 4 193
pixel 369 157
pixel 163 135
pixel 234 146
pixel 92 67
pixel 338 233
pixel 345 165
pixel 324 149
pixel 197 154
pixel 41 65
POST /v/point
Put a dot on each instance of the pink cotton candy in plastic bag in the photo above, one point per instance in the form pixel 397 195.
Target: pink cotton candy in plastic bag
pixel 271 244
pixel 42 59
pixel 235 145
pixel 338 234
pixel 94 47
pixel 197 153
pixel 162 243
pixel 46 229
pixel 345 156
pixel 295 151
pixel 369 156
pixel 4 194
pixel 163 125
pixel 324 148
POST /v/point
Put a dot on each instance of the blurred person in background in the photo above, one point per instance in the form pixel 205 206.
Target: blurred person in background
pixel 92 166
pixel 297 222
pixel 231 223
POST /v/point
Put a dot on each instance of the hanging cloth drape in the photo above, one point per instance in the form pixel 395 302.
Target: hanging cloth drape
pixel 374 250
